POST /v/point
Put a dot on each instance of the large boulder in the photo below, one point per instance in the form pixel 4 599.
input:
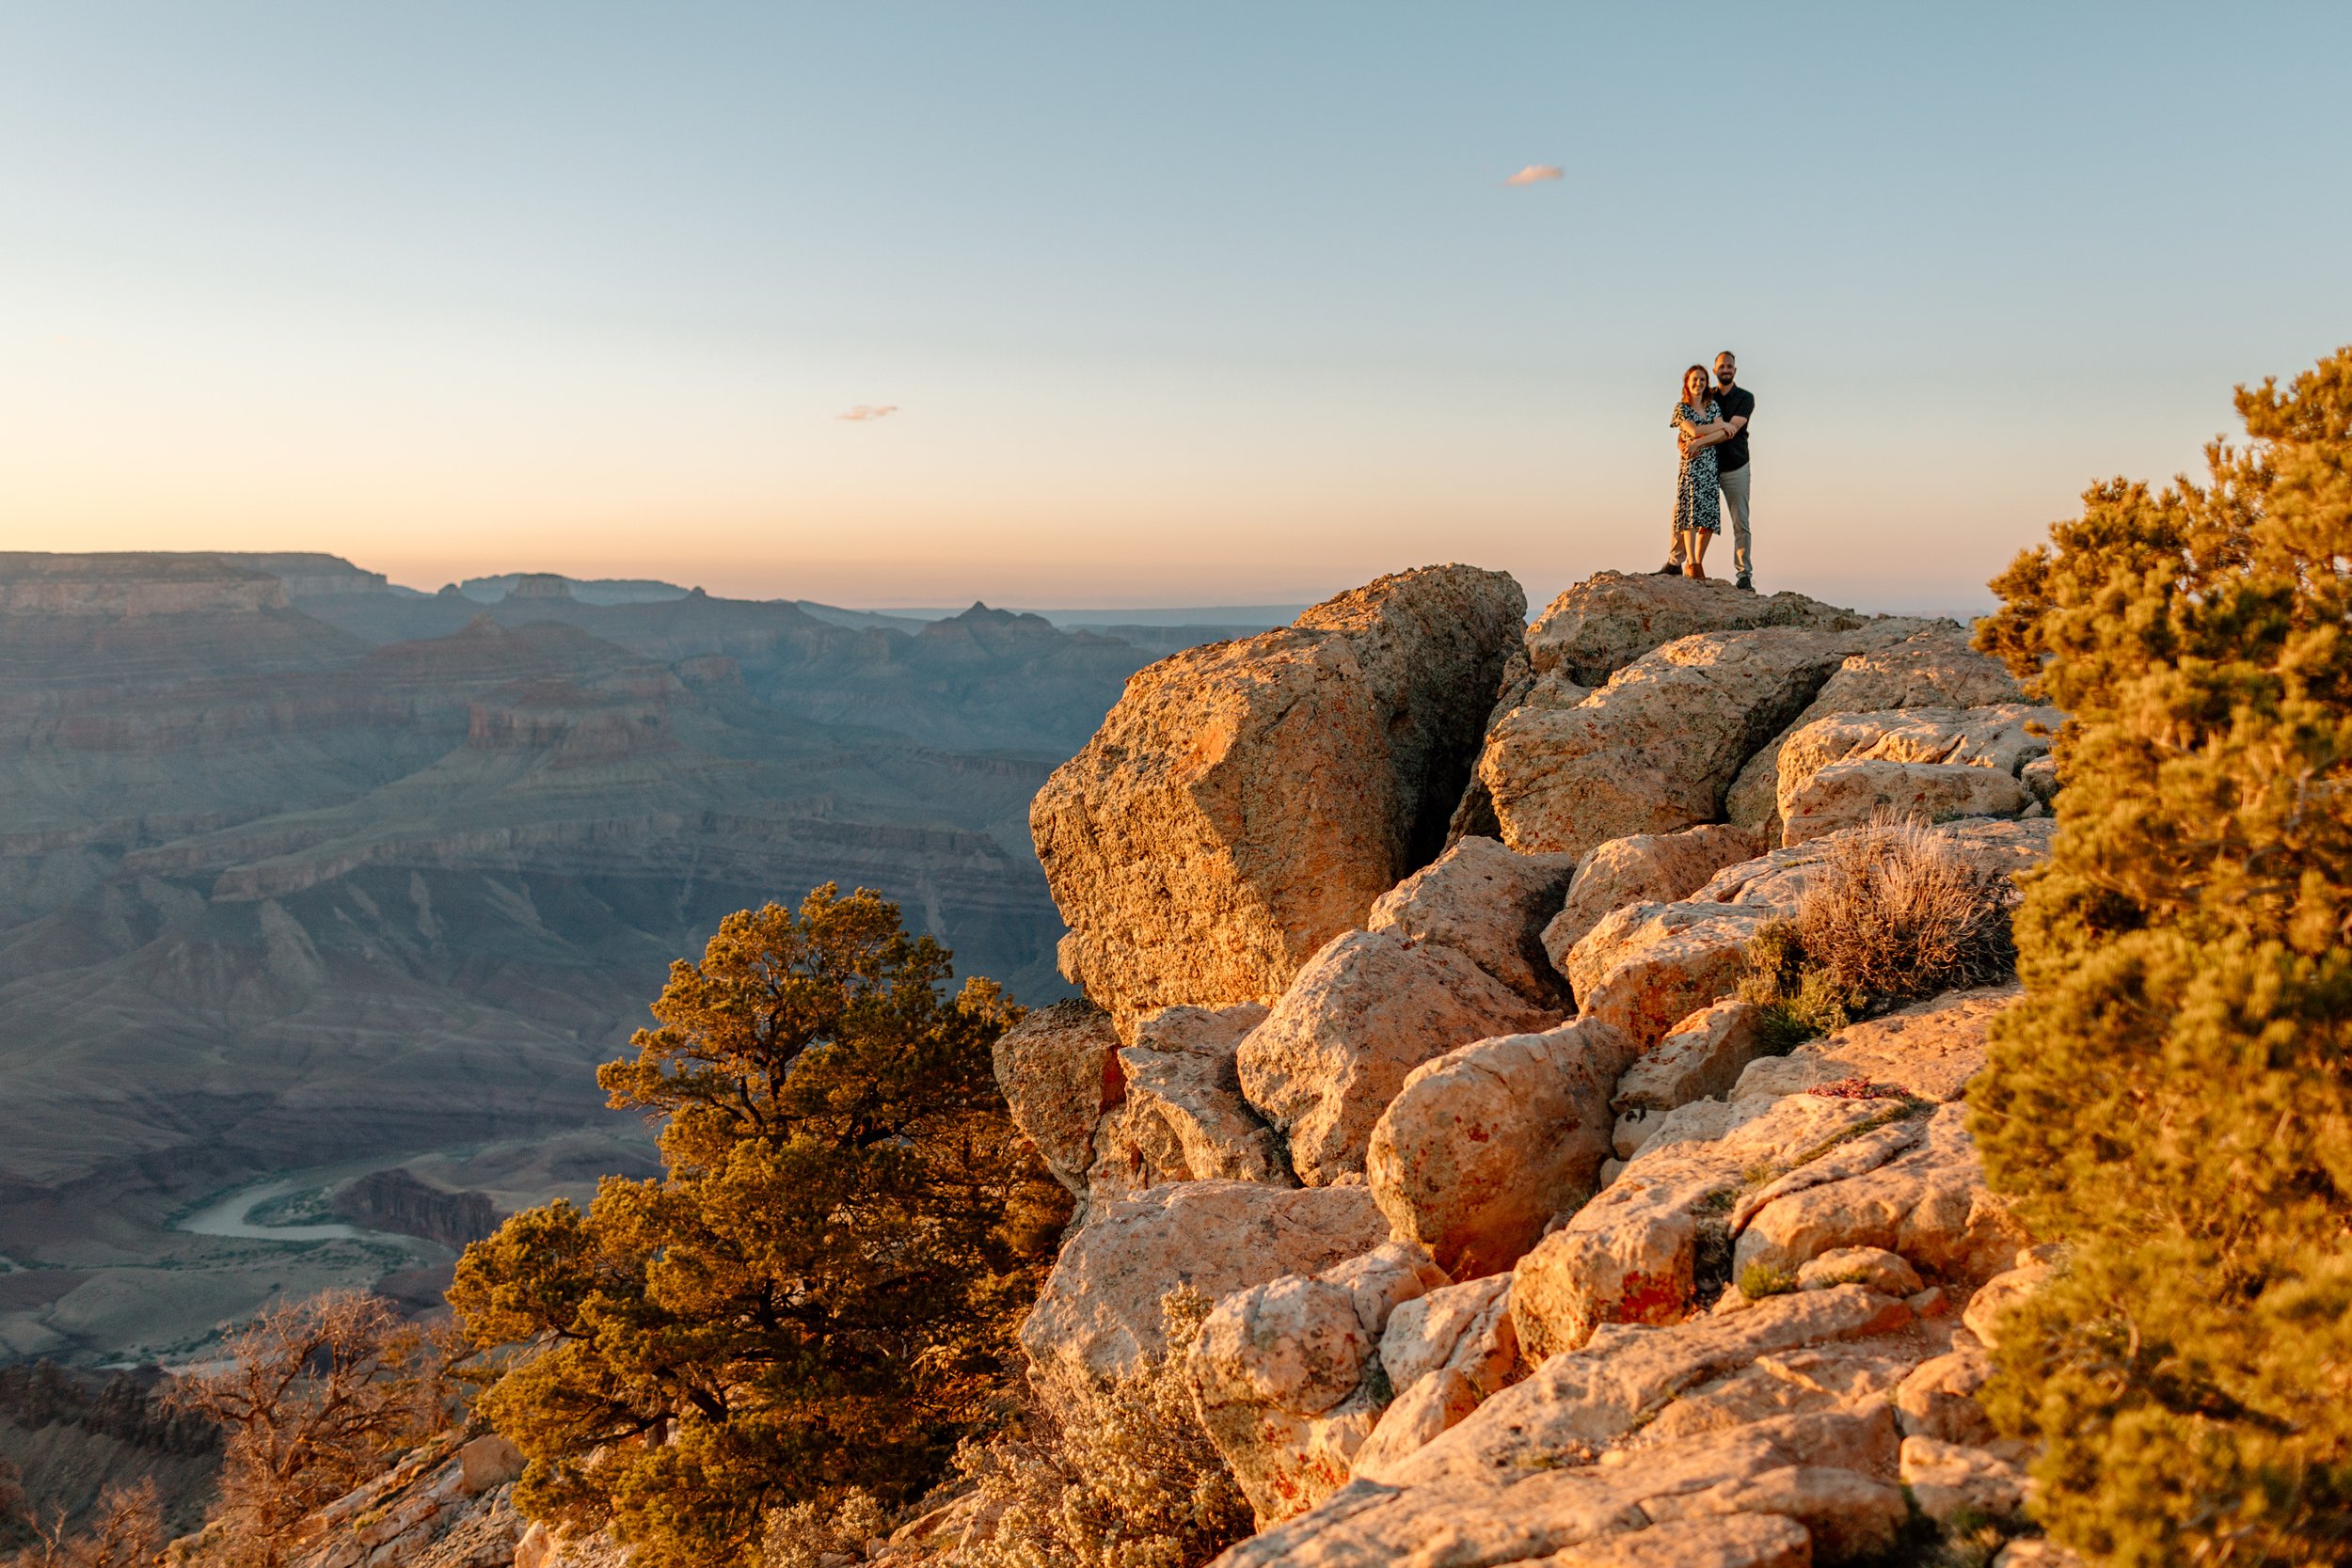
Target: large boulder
pixel 1369 1008
pixel 1929 1050
pixel 1933 668
pixel 1598 627
pixel 1588 1464
pixel 1657 1241
pixel 1643 868
pixel 1246 801
pixel 1184 1119
pixel 1926 763
pixel 1486 1144
pixel 1701 1057
pixel 1445 1352
pixel 1490 904
pixel 1647 967
pixel 1058 1068
pixel 1278 1375
pixel 1654 750
pixel 1098 1315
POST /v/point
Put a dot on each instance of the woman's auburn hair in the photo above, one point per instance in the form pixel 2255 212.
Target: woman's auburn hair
pixel 1682 393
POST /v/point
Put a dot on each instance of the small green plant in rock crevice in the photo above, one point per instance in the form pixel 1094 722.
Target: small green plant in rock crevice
pixel 1758 1280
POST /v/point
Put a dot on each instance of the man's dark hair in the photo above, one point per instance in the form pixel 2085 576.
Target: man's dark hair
pixel 1726 354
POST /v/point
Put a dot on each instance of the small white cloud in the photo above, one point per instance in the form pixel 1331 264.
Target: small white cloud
pixel 871 411
pixel 1534 174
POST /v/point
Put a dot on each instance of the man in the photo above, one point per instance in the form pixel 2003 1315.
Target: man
pixel 1731 466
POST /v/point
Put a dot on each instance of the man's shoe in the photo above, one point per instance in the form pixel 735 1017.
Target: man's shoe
pixel 1744 586
pixel 1668 570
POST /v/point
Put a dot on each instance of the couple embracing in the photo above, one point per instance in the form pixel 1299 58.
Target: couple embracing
pixel 1712 430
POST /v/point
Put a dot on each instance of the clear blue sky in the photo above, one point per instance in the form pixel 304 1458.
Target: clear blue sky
pixel 1201 303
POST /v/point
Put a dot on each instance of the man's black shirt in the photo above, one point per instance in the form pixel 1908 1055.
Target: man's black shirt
pixel 1732 455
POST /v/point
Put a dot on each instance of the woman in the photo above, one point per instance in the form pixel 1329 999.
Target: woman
pixel 1698 510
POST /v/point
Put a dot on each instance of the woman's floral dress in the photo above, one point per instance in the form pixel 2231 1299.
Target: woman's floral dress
pixel 1696 503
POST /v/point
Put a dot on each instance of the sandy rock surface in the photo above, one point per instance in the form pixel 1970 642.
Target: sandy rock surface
pixel 1644 868
pixel 1487 903
pixel 1702 1056
pixel 1184 1117
pixel 1641 1251
pixel 1647 967
pixel 1486 1144
pixel 1654 750
pixel 1281 1374
pixel 1598 627
pixel 1246 801
pixel 1058 1068
pixel 1776 882
pixel 1931 1049
pixel 1933 668
pixel 1562 1461
pixel 1099 1313
pixel 1855 794
pixel 1364 1012
pixel 1926 1199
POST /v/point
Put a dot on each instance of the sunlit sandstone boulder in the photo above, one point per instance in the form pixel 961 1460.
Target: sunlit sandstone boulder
pixel 1598 627
pixel 1486 1143
pixel 1932 669
pixel 1368 1009
pixel 1643 868
pixel 1099 1312
pixel 1058 1068
pixel 1647 967
pixel 1655 749
pixel 1247 801
pixel 1285 1374
pixel 1490 904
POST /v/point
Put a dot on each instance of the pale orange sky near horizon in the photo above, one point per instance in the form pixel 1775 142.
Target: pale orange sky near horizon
pixel 1228 307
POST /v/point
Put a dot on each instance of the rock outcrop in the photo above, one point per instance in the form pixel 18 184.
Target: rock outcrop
pixel 1245 802
pixel 1486 1144
pixel 1933 668
pixel 1597 628
pixel 1364 1012
pixel 1099 1313
pixel 1058 1068
pixel 1656 750
pixel 1490 904
pixel 1652 1288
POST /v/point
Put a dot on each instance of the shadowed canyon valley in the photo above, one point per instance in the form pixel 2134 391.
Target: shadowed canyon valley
pixel 320 899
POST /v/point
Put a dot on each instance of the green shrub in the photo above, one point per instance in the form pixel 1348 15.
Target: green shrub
pixel 2173 1096
pixel 1758 1280
pixel 820 1291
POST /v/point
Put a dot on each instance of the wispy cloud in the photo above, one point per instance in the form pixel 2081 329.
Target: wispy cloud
pixel 1534 174
pixel 871 411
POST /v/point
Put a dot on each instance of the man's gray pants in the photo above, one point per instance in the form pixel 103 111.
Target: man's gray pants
pixel 1733 486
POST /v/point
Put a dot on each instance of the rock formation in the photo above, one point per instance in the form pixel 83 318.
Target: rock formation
pixel 1363 1014
pixel 1642 1287
pixel 1245 802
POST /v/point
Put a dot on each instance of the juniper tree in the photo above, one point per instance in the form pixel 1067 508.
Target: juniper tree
pixel 2173 1096
pixel 819 1291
